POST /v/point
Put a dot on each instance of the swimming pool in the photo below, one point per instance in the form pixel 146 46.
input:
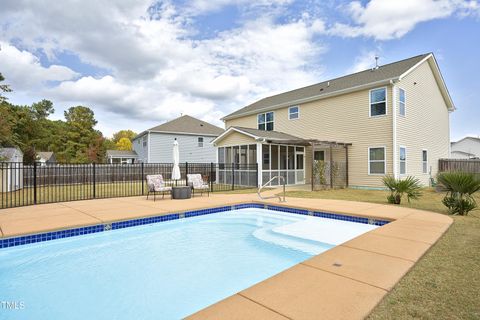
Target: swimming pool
pixel 163 270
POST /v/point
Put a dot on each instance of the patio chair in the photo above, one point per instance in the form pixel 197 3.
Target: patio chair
pixel 198 185
pixel 156 185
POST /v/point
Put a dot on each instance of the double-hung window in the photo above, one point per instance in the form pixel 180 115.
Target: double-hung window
pixel 424 161
pixel 200 142
pixel 376 160
pixel 403 160
pixel 293 112
pixel 401 102
pixel 265 121
pixel 144 139
pixel 378 102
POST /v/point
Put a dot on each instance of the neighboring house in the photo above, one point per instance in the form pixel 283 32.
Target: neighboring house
pixel 121 156
pixel 465 148
pixel 392 119
pixel 194 138
pixel 11 155
pixel 46 157
pixel 11 169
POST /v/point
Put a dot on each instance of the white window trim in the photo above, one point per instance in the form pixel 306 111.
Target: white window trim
pixel 400 161
pixel 298 113
pixel 405 104
pixel 370 103
pixel 273 121
pixel 426 150
pixel 385 161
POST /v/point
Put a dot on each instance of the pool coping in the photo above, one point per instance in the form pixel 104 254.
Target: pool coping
pixel 347 281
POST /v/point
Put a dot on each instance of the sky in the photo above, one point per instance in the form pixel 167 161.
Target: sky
pixel 139 63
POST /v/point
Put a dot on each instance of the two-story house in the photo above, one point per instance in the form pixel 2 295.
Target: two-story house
pixel 392 119
pixel 194 137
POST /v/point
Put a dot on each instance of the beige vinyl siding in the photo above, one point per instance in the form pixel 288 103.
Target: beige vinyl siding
pixel 342 118
pixel 426 124
pixel 247 122
pixel 235 138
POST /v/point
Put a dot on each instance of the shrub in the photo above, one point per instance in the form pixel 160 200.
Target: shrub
pixel 460 187
pixel 410 186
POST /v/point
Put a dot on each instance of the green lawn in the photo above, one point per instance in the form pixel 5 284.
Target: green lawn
pixel 445 283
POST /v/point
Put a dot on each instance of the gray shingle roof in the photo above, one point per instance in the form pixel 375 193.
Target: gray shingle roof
pixel 45 154
pixel 121 153
pixel 9 153
pixel 383 73
pixel 188 124
pixel 269 135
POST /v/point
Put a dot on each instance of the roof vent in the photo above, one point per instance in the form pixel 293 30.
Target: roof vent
pixel 376 62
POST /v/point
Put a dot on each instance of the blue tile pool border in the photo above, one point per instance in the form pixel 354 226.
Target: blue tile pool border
pixel 67 233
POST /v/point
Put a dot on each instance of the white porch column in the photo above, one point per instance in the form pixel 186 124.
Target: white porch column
pixel 259 163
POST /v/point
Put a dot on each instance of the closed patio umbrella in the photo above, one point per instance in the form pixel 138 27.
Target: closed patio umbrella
pixel 176 160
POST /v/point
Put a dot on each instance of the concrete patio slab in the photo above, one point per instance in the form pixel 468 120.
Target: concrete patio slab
pixel 371 264
pixel 236 307
pixel 303 292
pixel 394 247
pixel 45 224
pixel 369 267
pixel 404 232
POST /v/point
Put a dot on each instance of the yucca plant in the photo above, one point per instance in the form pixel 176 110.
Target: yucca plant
pixel 460 187
pixel 410 186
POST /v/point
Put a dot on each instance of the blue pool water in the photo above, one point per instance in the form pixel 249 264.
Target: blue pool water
pixel 165 270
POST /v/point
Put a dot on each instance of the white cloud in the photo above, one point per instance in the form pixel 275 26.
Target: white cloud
pixel 364 61
pixel 24 71
pixel 384 20
pixel 157 68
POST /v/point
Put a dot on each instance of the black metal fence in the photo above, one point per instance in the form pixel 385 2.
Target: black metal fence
pixel 23 185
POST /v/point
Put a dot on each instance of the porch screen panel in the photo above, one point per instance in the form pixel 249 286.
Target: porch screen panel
pixel 283 157
pixel 252 154
pixel 265 158
pixel 274 156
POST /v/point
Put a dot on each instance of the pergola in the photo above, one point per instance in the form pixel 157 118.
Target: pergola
pixel 315 144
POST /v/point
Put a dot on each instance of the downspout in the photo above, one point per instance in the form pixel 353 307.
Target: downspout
pixel 394 128
pixel 148 147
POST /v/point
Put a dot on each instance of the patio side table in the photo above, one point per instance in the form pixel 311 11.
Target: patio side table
pixel 184 192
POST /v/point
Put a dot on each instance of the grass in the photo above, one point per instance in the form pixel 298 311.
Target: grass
pixel 445 283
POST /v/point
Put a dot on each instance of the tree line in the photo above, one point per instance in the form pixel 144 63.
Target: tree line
pixel 73 140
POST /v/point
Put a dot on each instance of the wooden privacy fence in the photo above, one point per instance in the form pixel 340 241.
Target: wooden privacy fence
pixel 465 165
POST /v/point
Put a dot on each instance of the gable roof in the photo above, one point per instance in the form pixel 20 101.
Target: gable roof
pixel 259 135
pixel 9 154
pixel 122 153
pixel 376 76
pixel 45 154
pixel 477 139
pixel 186 125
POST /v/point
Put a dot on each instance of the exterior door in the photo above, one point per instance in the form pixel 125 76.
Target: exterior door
pixel 300 168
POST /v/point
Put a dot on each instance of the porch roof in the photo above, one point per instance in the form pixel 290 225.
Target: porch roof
pixel 279 137
pixel 265 136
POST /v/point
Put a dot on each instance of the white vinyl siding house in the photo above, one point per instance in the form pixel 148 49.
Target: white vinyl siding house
pixel 194 138
pixel 466 148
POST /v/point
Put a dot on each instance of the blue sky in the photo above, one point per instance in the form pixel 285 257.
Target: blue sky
pixel 140 63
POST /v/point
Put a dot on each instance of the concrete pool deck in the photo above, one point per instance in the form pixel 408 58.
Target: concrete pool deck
pixel 345 282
